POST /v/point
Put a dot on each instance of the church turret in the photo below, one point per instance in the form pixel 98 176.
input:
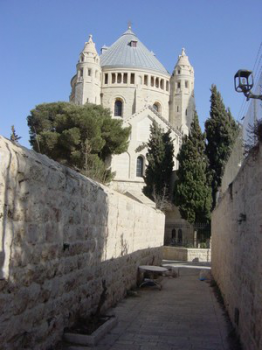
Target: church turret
pixel 182 102
pixel 86 84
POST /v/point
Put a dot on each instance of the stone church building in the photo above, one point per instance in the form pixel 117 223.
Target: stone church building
pixel 128 79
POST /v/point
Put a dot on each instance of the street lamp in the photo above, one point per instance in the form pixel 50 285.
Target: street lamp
pixel 244 82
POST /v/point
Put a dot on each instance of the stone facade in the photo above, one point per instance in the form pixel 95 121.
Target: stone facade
pixel 61 235
pixel 236 250
pixel 178 231
pixel 233 164
pixel 128 79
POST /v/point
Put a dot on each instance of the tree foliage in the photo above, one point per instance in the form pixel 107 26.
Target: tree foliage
pixel 82 137
pixel 14 137
pixel 192 193
pixel 221 132
pixel 160 164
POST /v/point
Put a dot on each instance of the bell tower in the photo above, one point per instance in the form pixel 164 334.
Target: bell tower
pixel 182 101
pixel 86 84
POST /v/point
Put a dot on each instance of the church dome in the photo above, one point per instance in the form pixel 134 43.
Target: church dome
pixel 129 52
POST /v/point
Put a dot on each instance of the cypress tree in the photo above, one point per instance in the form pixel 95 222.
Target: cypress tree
pixel 192 193
pixel 221 132
pixel 160 164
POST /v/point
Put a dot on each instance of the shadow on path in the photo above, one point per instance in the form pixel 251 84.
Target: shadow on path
pixel 184 315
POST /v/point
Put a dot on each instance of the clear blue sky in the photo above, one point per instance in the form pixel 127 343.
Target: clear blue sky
pixel 41 40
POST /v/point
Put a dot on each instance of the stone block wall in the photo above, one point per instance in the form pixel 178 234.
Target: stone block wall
pixel 237 251
pixel 186 254
pixel 234 163
pixel 61 236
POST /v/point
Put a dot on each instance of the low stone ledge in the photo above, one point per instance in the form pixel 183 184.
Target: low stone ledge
pixel 91 340
pixel 186 254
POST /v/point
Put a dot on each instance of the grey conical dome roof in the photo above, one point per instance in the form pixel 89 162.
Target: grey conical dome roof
pixel 123 54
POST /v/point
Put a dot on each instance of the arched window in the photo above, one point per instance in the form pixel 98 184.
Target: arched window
pixel 139 166
pixel 118 111
pixel 157 107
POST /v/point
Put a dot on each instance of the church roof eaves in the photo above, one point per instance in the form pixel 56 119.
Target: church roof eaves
pixel 152 109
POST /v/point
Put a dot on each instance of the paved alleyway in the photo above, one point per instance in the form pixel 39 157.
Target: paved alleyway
pixel 184 315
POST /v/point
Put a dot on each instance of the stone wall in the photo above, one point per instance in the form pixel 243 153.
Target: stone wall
pixel 61 236
pixel 186 254
pixel 236 251
pixel 234 162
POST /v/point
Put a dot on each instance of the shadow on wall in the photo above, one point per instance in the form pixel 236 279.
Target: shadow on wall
pixel 236 250
pixel 4 212
pixel 59 242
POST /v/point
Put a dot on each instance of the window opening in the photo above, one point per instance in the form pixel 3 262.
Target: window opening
pixel 167 86
pixel 89 72
pixel 152 81
pixel 125 78
pixel 139 166
pixel 119 78
pixel 162 84
pixel 146 79
pixel 106 78
pixel 118 108
pixel 155 105
pixel 113 78
pixel 186 84
pixel 133 43
pixel 132 78
pixel 179 85
pixel 157 82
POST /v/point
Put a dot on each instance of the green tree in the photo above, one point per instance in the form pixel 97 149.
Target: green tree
pixel 221 133
pixel 81 137
pixel 160 165
pixel 14 137
pixel 192 193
